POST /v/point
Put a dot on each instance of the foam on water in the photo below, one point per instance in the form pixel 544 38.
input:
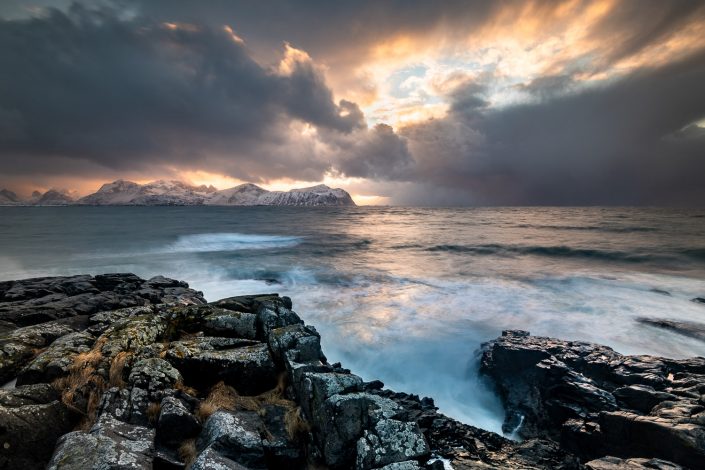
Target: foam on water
pixel 408 296
pixel 216 242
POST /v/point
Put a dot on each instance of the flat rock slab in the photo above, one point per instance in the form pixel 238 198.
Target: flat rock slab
pixel 246 365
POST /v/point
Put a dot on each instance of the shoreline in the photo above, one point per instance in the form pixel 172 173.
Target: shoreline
pixel 138 364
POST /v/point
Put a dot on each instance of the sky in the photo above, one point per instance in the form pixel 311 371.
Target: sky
pixel 404 102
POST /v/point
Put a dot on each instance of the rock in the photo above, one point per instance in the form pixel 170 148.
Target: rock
pixel 110 444
pixel 390 441
pixel 341 420
pixel 38 300
pixel 246 365
pixel 699 300
pixel 235 435
pixel 315 388
pixel 602 403
pixel 297 343
pixel 20 345
pixel 176 423
pixel 54 362
pixel 407 465
pixel 614 463
pixel 99 322
pixel 230 323
pixel 126 404
pixel 31 421
pixel 280 449
pixel 154 375
pixel 209 459
pixel 642 398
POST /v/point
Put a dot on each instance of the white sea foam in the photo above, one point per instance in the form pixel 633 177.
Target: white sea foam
pixel 217 242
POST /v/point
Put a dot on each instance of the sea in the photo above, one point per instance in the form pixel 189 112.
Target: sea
pixel 402 294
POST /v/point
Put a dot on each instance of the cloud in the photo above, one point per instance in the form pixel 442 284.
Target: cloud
pixel 628 142
pixel 92 88
pixel 516 102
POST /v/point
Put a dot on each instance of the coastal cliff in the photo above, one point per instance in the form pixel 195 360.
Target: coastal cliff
pixel 114 371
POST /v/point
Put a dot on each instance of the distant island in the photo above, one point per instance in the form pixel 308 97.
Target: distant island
pixel 178 193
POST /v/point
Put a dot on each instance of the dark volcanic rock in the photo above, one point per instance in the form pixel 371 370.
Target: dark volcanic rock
pixel 246 365
pixel 615 463
pixel 110 444
pixel 235 435
pixel 160 379
pixel 598 402
pixel 31 421
pixel 38 300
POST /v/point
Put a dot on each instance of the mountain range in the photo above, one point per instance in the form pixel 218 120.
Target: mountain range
pixel 178 193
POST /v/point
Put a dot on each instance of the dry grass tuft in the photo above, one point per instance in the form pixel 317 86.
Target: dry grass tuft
pixel 116 369
pixel 225 397
pixel 186 389
pixel 296 426
pixel 187 451
pixel 82 389
pixel 153 411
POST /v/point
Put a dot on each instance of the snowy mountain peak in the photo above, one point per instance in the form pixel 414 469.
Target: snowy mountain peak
pixel 174 192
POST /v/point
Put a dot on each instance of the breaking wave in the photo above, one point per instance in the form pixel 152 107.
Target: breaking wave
pixel 216 242
pixel 554 251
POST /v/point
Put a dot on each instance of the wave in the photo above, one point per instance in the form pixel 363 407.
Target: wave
pixel 697 253
pixel 554 251
pixel 595 228
pixel 216 242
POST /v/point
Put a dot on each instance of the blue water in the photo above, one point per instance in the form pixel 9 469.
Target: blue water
pixel 405 295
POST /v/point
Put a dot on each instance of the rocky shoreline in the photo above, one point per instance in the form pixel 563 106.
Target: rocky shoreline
pixel 117 372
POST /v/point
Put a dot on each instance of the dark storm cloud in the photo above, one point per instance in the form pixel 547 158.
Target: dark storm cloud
pixel 631 142
pixel 130 94
pixel 116 87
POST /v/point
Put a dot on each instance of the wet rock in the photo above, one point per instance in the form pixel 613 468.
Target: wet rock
pixel 602 403
pixel 234 435
pixel 109 444
pixel 31 420
pixel 699 300
pixel 246 365
pixel 54 362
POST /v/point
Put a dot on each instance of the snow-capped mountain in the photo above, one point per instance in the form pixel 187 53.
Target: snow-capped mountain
pixel 8 197
pixel 162 192
pixel 54 197
pixel 156 193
